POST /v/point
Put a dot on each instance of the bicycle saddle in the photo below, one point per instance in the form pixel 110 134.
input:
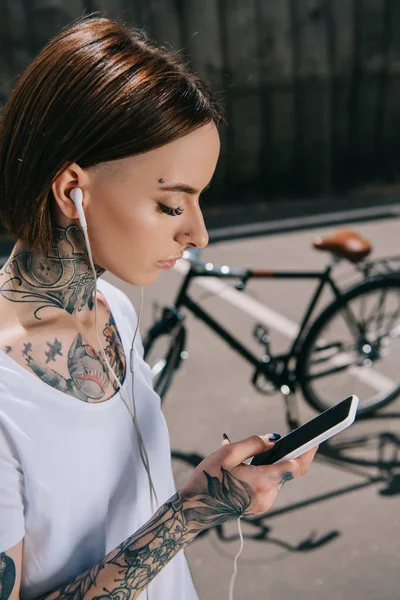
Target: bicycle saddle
pixel 345 243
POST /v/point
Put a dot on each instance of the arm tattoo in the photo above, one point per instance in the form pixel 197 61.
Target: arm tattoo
pixel 142 556
pixel 7 576
pixel 80 586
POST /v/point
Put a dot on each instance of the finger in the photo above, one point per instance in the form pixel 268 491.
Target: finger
pixel 277 474
pixel 300 465
pixel 264 478
pixel 249 447
pixel 296 466
pixel 225 443
pixel 306 459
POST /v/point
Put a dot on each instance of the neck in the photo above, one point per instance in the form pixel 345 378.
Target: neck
pixel 59 278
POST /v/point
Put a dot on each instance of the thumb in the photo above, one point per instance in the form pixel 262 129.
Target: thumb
pixel 249 447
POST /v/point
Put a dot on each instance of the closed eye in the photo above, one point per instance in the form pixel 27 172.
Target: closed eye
pixel 173 212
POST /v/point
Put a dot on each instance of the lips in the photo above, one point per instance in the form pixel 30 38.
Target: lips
pixel 169 262
pixel 166 264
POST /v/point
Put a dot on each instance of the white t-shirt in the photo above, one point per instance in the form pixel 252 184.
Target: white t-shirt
pixel 72 483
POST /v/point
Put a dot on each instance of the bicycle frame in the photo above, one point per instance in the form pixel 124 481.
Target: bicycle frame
pixel 265 365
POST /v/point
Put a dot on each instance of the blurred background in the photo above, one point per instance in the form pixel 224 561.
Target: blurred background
pixel 312 96
pixel 311 88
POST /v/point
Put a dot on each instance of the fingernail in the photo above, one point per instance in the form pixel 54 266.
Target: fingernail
pixel 226 437
pixel 272 437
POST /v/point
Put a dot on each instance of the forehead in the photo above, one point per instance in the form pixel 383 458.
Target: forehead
pixel 190 159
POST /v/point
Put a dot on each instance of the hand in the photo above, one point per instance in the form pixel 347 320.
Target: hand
pixel 222 487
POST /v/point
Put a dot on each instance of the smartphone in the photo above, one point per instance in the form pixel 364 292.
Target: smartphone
pixel 312 433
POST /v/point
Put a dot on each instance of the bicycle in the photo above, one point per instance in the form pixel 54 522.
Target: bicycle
pixel 351 338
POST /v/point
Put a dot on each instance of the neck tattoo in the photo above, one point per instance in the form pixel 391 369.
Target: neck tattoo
pixel 60 277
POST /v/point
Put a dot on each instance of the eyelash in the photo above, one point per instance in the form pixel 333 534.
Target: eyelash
pixel 172 212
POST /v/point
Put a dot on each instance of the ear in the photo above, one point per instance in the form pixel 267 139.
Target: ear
pixel 73 176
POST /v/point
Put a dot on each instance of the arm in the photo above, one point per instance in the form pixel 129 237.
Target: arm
pixel 221 488
pixel 127 570
pixel 10 572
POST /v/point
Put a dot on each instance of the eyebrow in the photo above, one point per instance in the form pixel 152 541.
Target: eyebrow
pixel 182 187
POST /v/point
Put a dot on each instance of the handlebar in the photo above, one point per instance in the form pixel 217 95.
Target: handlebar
pixel 208 268
pixel 203 268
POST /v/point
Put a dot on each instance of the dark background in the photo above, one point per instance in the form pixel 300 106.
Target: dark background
pixel 311 87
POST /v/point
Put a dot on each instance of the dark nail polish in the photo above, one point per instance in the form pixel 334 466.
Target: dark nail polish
pixel 274 437
pixel 226 437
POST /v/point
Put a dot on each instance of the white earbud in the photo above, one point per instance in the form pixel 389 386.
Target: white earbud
pixel 77 197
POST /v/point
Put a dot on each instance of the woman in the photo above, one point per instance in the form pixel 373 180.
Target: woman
pixel 104 111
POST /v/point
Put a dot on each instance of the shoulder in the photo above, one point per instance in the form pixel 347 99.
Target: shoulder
pixel 115 296
pixel 119 301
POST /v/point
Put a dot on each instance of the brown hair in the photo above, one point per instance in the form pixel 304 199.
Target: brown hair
pixel 98 91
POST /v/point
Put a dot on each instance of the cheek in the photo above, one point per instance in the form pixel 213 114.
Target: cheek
pixel 138 232
pixel 122 227
pixel 120 216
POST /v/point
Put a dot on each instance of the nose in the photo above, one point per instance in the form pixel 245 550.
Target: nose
pixel 195 226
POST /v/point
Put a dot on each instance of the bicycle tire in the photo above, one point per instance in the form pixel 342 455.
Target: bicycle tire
pixel 312 397
pixel 171 359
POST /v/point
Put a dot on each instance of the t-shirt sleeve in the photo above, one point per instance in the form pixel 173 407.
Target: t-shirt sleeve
pixel 12 525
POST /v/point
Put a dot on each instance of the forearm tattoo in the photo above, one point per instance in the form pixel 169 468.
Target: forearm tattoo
pixel 142 556
pixel 7 576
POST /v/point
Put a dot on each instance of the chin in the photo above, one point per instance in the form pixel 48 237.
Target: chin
pixel 143 279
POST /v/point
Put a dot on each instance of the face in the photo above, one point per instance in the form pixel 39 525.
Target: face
pixel 140 209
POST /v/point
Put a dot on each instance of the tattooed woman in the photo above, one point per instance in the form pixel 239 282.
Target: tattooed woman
pixel 105 110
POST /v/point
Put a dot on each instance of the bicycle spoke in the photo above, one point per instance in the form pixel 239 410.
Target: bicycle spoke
pixel 332 371
pixel 363 308
pixel 355 350
pixel 380 316
pixel 392 320
pixel 387 322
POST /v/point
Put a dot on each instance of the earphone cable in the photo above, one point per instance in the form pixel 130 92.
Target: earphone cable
pixel 232 583
pixel 142 449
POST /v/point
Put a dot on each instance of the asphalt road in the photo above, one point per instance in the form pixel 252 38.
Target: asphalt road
pixel 331 534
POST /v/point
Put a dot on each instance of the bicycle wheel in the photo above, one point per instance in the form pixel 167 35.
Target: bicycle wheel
pixel 353 347
pixel 164 354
